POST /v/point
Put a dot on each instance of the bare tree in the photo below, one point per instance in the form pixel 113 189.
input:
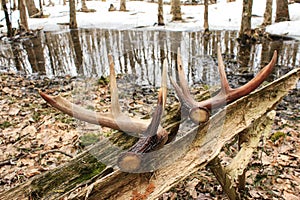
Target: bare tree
pixel 230 0
pixel 32 9
pixel 14 6
pixel 23 16
pixel 206 28
pixel 246 18
pixel 122 5
pixel 268 13
pixel 84 7
pixel 8 22
pixel 282 11
pixel 160 13
pixel 73 21
pixel 176 10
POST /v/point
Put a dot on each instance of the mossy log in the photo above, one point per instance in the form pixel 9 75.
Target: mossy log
pixel 174 162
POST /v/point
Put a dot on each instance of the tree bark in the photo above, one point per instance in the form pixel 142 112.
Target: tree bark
pixel 160 15
pixel 246 18
pixel 73 21
pixel 23 16
pixel 8 22
pixel 122 5
pixel 181 158
pixel 282 11
pixel 176 10
pixel 206 28
pixel 268 13
pixel 32 9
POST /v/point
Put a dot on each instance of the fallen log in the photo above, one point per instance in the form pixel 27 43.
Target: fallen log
pixel 208 142
pixel 99 181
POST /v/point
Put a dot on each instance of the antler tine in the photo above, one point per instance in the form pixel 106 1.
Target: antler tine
pixel 115 106
pixel 225 88
pixel 115 119
pixel 182 90
pixel 227 94
pixel 153 138
pixel 199 110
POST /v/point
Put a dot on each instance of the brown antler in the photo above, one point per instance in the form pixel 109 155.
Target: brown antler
pixel 199 111
pixel 153 136
pixel 115 119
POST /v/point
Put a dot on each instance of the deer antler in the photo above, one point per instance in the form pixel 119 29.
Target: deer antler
pixel 199 111
pixel 115 119
pixel 153 137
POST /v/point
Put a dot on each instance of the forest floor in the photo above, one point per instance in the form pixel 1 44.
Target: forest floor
pixel 35 138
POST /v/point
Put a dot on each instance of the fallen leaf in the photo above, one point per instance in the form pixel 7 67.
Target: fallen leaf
pixel 191 187
pixel 13 111
pixel 289 196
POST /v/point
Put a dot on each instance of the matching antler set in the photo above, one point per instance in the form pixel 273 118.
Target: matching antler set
pixel 151 135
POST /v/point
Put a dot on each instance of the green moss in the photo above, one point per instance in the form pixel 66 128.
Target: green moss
pixel 36 116
pixel 64 118
pixel 5 124
pixel 60 182
pixel 277 135
pixel 88 139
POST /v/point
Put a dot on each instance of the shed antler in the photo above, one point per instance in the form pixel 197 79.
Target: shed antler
pixel 199 111
pixel 115 119
pixel 152 135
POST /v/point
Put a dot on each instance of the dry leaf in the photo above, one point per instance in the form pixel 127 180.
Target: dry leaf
pixel 190 187
pixel 13 111
pixel 289 196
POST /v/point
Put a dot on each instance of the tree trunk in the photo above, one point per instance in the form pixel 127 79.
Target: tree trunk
pixel 206 28
pixel 282 11
pixel 122 5
pixel 41 9
pixel 246 18
pixel 23 16
pixel 95 180
pixel 73 21
pixel 160 13
pixel 32 9
pixel 75 38
pixel 268 13
pixel 14 6
pixel 84 8
pixel 8 22
pixel 176 10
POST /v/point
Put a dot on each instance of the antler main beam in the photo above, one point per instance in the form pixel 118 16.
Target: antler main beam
pixel 199 111
pixel 115 119
pixel 152 135
pixel 152 138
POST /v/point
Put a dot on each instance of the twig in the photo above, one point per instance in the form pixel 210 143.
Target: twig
pixel 55 151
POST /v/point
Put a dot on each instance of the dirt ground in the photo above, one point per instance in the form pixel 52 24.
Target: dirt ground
pixel 35 138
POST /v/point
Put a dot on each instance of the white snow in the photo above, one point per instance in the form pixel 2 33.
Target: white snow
pixel 143 14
